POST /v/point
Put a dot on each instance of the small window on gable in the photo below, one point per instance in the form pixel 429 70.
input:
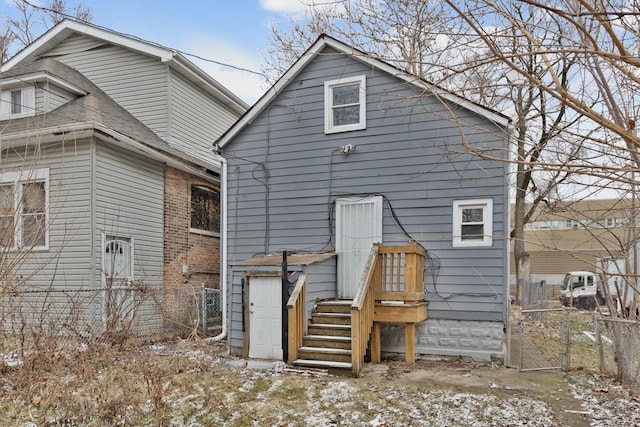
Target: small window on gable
pixel 19 102
pixel 205 210
pixel 472 222
pixel 344 105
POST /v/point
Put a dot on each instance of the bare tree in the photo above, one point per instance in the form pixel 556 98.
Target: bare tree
pixel 33 19
pixel 429 40
pixel 405 33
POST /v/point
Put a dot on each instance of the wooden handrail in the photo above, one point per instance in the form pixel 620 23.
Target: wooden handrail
pixel 296 310
pixel 362 310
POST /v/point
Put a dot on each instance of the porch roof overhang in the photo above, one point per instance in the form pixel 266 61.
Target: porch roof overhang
pixel 292 259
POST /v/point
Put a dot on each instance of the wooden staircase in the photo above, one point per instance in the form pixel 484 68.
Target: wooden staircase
pixel 327 344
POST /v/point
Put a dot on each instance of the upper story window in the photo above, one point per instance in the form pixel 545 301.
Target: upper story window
pixel 344 104
pixel 205 210
pixel 24 209
pixel 472 222
pixel 17 102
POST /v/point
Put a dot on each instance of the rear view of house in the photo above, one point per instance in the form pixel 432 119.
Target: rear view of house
pixel 109 190
pixel 372 180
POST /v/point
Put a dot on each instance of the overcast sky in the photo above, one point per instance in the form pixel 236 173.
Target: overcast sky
pixel 229 31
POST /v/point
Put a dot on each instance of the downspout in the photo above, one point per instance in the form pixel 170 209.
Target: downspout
pixel 223 255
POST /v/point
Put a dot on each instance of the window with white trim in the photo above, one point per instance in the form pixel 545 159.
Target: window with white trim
pixel 24 209
pixel 472 222
pixel 17 102
pixel 344 104
pixel 205 210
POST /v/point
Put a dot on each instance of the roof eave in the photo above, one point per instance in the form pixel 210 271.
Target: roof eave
pixel 67 27
pixel 324 41
pixel 82 130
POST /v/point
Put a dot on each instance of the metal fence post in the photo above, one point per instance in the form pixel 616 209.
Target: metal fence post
pixel 203 308
pixel 521 342
pixel 596 323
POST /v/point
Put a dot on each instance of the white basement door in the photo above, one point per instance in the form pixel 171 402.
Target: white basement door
pixel 265 318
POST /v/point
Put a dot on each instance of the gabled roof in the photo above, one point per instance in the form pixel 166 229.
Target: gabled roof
pixel 327 41
pixel 91 112
pixel 174 59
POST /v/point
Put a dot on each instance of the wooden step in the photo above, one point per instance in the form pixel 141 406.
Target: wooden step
pixel 334 306
pixel 339 368
pixel 325 354
pixel 332 341
pixel 326 329
pixel 331 318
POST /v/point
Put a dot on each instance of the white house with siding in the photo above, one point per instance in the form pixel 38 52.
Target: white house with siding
pixel 107 177
pixel 345 152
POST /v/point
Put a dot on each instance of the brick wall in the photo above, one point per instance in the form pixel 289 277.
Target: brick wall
pixel 199 253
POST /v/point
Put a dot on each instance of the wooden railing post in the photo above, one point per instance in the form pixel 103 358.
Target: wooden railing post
pixel 297 312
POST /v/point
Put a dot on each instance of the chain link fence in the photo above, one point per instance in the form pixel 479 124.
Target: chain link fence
pixel 618 345
pixel 542 342
pixel 567 339
pixel 33 318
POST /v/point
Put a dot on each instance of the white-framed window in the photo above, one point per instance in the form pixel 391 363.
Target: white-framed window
pixel 472 222
pixel 345 104
pixel 17 102
pixel 205 210
pixel 117 258
pixel 24 207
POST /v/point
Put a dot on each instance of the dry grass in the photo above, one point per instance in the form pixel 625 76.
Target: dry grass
pixel 187 383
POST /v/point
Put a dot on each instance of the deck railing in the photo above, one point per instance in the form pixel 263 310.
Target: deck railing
pixel 392 273
pixel 297 318
pixel 362 310
pixel 401 273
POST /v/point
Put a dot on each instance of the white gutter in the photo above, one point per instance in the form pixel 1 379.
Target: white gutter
pixel 223 261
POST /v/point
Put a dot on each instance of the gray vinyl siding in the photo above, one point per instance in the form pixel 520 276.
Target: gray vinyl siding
pixel 129 191
pixel 66 259
pixel 135 81
pixel 196 120
pixel 321 285
pixel 411 153
pixel 52 97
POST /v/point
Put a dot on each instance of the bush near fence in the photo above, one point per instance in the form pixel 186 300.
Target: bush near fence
pixel 30 318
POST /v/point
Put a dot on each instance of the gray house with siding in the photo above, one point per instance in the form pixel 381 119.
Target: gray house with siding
pixel 109 190
pixel 345 160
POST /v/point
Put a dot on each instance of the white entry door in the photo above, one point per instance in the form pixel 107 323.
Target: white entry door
pixel 358 227
pixel 265 318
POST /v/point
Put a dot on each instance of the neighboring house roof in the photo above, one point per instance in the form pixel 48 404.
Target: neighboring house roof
pixel 326 41
pixel 174 59
pixel 91 112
